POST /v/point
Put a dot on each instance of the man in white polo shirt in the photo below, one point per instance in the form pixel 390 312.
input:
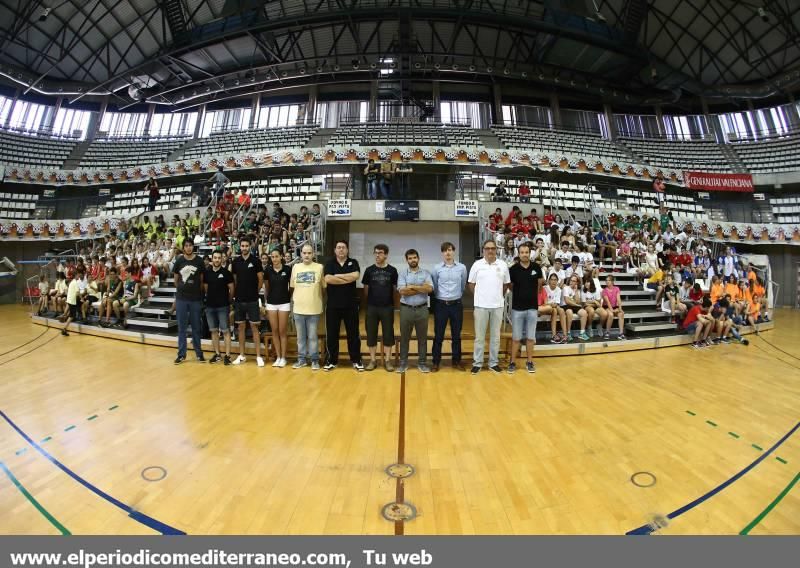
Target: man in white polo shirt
pixel 488 281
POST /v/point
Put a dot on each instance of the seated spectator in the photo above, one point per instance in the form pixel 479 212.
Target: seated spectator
pixel 524 193
pixel 550 305
pixel 573 305
pixel 612 302
pixel 44 294
pixel 500 193
pixel 591 303
pixel 671 303
pixel 698 323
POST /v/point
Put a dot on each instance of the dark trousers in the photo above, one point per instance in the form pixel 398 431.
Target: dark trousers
pixel 151 203
pixel 189 311
pixel 333 321
pixel 454 313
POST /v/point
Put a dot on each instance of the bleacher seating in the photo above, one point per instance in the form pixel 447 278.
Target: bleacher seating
pixel 404 134
pixel 681 155
pixel 134 202
pixel 33 150
pixel 767 156
pixel 786 209
pixel 124 153
pixel 17 205
pixel 573 196
pixel 282 188
pixel 230 143
pixel 555 143
pixel 647 203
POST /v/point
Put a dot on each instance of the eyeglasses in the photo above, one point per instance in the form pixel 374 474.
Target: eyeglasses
pixel 489 248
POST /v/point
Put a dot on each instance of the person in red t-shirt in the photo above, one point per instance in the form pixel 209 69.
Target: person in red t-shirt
pixel 548 219
pixel 217 227
pixel 511 219
pixel 661 196
pixel 698 323
pixel 524 193
pixel 685 259
pixel 696 293
pixel 535 221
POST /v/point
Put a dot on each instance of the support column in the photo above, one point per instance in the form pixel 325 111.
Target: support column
pixel 497 106
pixel 151 109
pixel 555 110
pixel 659 120
pixel 794 113
pixel 51 120
pixel 611 126
pixel 311 106
pixel 436 98
pixel 713 122
pixel 255 108
pixel 94 125
pixel 372 114
pixel 201 116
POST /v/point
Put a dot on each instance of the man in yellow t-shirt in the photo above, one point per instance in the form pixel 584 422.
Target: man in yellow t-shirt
pixel 307 281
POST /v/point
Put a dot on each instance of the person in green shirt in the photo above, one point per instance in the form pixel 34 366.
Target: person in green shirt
pixel 664 220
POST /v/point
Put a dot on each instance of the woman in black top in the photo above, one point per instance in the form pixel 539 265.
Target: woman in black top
pixel 276 280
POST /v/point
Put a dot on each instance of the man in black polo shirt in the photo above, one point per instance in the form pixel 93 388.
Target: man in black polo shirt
pixel 218 285
pixel 248 277
pixel 526 281
pixel 380 282
pixel 341 275
pixel 188 273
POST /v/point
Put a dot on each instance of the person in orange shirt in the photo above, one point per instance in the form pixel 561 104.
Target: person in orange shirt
pixel 732 289
pixel 716 291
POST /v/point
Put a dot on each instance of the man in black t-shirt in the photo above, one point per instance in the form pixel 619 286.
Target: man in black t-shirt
pixel 380 282
pixel 341 275
pixel 248 277
pixel 188 273
pixel 526 281
pixel 218 288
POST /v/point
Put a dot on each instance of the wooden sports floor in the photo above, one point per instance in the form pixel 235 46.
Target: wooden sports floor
pixel 279 451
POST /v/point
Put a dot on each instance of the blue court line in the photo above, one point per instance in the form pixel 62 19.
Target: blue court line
pixel 135 515
pixel 647 529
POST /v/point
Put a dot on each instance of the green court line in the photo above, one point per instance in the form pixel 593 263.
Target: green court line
pixel 690 412
pixel 114 407
pixel 771 506
pixel 759 448
pixel 22 451
pixel 44 440
pixel 92 417
pixel 780 459
pixel 714 424
pixel 734 434
pixel 61 528
pixel 68 428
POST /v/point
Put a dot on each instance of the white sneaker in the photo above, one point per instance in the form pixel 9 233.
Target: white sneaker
pixel 260 361
pixel 282 362
pixel 277 363
pixel 239 360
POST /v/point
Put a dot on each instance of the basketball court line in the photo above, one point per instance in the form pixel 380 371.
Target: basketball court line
pixel 32 500
pixel 648 529
pixel 16 357
pixel 752 524
pixel 399 526
pixel 26 343
pixel 145 520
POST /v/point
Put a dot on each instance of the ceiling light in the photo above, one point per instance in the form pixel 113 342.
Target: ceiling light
pixel 44 14
pixel 506 71
pixel 524 74
pixel 335 67
pixel 489 69
pixel 455 67
pixel 320 69
pixel 417 65
pixel 437 66
pixel 761 14
pixel 472 68
pixel 303 71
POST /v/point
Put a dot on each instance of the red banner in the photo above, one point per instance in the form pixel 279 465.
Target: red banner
pixel 706 181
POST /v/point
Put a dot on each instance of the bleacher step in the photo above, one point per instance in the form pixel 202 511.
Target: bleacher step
pixel 650 327
pixel 149 310
pixel 161 300
pixel 154 323
pixel 165 290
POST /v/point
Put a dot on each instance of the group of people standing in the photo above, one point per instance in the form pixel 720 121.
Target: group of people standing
pixel 309 289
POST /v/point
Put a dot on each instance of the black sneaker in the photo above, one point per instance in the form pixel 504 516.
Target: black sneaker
pixel 496 369
pixel 329 367
pixel 530 367
pixel 475 370
pixel 201 359
pixel 358 366
pixel 64 333
pixel 724 340
pixel 512 368
pixel 179 360
pixel 215 359
pixel 227 360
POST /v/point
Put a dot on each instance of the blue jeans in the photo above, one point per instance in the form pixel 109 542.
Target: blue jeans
pixel 189 310
pixel 307 337
pixel 442 313
pixel 386 187
pixel 372 189
pixel 493 319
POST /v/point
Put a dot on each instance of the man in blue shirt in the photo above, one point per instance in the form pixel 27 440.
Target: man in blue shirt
pixel 414 284
pixel 449 280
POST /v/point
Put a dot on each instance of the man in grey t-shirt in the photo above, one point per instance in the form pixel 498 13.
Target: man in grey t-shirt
pixel 219 179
